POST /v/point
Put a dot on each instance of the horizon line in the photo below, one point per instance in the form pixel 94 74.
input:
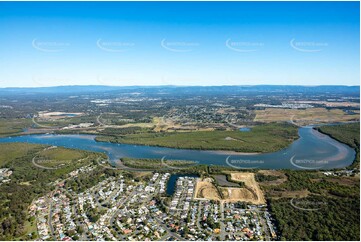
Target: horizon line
pixel 170 85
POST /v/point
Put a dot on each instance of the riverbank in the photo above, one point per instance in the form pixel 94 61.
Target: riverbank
pixel 348 134
pixel 318 149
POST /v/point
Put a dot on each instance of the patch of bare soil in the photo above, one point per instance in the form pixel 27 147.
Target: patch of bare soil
pixel 206 189
pixel 251 187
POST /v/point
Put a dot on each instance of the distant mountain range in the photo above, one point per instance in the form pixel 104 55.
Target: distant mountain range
pixel 354 90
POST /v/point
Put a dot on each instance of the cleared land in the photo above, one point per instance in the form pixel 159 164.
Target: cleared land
pixel 231 194
pixel 250 193
pixel 206 189
pixel 304 117
pixel 250 184
pixel 57 115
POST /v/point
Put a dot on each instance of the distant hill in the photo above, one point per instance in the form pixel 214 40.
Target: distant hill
pixel 347 90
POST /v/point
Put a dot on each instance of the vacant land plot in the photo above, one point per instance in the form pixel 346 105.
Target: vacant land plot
pixel 231 194
pixel 304 117
pixel 250 193
pixel 205 189
pixel 57 115
pixel 250 183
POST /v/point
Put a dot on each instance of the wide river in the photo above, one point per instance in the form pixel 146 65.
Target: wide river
pixel 313 150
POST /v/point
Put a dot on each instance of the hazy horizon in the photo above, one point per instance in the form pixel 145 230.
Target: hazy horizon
pixel 170 85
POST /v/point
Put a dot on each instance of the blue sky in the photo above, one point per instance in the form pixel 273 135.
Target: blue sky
pixel 179 43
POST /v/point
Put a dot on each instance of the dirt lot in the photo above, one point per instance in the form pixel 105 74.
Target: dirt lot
pixel 205 189
pixel 304 117
pixel 251 186
pixel 57 115
pixel 250 193
pixel 231 194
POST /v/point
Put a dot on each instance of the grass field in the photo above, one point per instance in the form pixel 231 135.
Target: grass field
pixel 262 138
pixel 58 156
pixel 10 127
pixel 304 116
pixel 10 152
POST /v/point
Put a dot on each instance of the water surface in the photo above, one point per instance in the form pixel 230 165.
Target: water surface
pixel 171 185
pixel 313 150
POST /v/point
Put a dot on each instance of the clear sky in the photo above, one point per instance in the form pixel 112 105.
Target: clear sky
pixel 179 43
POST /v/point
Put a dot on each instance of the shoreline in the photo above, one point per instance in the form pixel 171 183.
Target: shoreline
pixel 231 152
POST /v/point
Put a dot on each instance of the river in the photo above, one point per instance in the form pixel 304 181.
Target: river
pixel 313 150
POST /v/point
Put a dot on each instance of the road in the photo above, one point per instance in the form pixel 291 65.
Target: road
pixel 40 166
pixel 111 220
pixel 100 122
pixel 199 216
pixel 50 216
pixel 175 235
pixel 222 234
